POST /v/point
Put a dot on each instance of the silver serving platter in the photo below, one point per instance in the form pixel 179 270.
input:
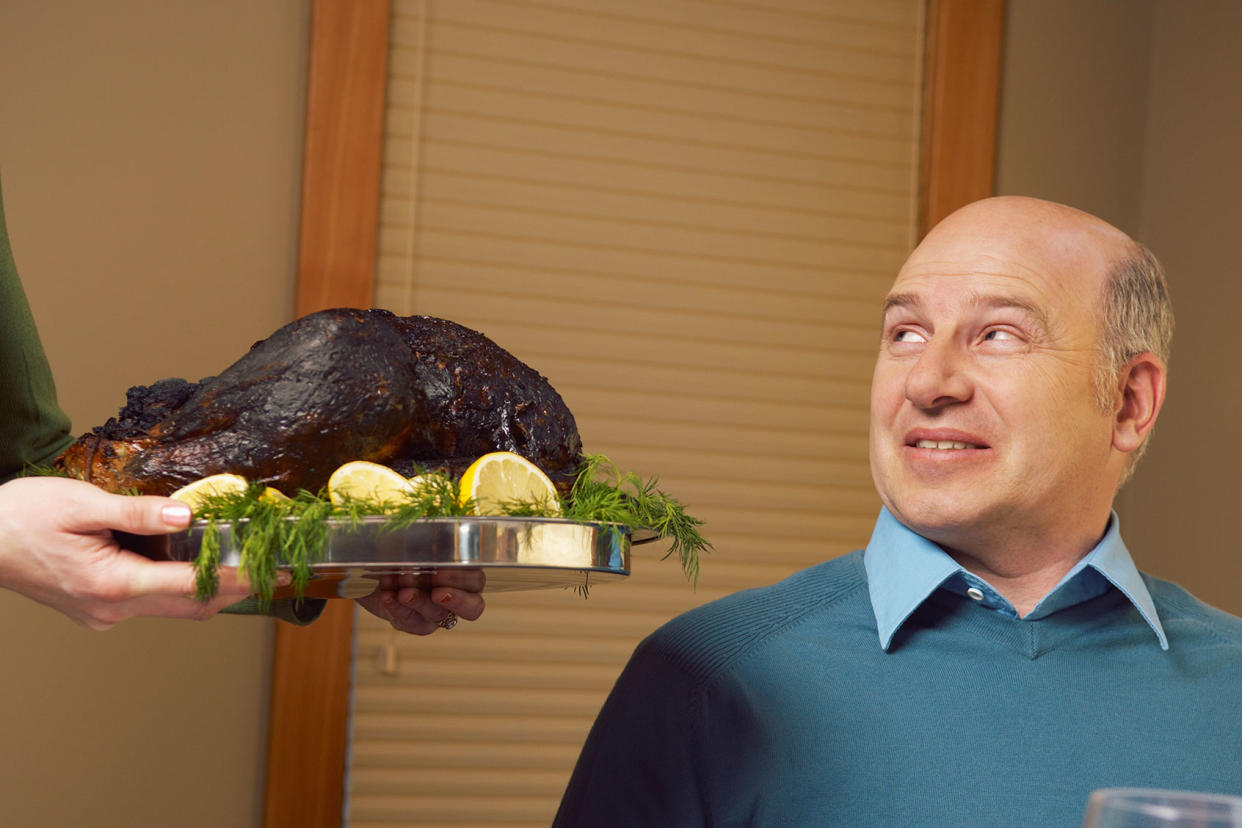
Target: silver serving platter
pixel 480 553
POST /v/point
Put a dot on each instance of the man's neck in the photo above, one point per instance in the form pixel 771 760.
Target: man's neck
pixel 1025 570
pixel 1024 589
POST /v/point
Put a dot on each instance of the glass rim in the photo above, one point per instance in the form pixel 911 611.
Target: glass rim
pixel 1161 801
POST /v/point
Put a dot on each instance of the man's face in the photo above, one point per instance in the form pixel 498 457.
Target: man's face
pixel 984 426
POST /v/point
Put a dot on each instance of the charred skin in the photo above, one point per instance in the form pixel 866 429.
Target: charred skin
pixel 332 387
pixel 476 398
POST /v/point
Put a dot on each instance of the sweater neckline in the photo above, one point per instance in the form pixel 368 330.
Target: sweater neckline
pixel 903 569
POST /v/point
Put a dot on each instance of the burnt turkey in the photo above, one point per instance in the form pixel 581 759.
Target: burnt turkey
pixel 334 386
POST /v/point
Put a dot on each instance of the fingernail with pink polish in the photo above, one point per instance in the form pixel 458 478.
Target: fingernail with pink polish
pixel 176 514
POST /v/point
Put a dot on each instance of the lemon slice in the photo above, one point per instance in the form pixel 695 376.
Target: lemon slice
pixel 362 480
pixel 270 495
pixel 193 494
pixel 503 477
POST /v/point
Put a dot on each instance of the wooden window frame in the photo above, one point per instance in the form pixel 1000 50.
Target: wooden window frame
pixel 311 668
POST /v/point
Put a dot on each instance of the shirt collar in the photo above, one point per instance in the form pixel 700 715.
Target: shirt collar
pixel 905 568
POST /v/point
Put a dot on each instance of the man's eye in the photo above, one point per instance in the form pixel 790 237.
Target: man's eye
pixel 1000 335
pixel 908 336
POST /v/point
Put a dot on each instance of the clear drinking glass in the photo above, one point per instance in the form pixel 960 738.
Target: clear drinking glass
pixel 1151 808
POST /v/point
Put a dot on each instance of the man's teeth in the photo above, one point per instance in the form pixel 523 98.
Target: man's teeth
pixel 943 444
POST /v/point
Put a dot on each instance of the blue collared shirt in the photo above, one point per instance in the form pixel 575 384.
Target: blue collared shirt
pixel 905 568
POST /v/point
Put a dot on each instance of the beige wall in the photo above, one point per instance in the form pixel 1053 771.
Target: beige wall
pixel 1129 109
pixel 1192 175
pixel 150 155
pixel 1074 104
pixel 150 163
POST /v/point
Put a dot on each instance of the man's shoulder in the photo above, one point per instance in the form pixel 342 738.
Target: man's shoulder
pixel 706 639
pixel 1178 607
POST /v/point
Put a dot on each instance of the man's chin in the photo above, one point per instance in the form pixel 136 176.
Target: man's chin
pixel 944 520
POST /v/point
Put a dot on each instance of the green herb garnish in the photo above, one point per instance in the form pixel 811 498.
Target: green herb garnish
pixel 293 532
pixel 603 494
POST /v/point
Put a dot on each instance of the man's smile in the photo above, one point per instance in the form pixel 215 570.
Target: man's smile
pixel 943 444
pixel 944 440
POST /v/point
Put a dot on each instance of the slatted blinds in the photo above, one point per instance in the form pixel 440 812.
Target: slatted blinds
pixel 685 215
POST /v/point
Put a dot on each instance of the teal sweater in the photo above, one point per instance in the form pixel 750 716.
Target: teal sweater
pixel 778 707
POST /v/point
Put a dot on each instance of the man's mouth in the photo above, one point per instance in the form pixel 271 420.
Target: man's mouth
pixel 945 445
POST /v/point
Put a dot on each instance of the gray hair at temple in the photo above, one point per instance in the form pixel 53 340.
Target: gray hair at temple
pixel 1137 317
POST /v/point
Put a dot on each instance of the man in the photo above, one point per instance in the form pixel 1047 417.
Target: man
pixel 993 655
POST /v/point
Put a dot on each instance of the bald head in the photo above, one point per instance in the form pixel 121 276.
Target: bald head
pixel 1076 248
pixel 1083 258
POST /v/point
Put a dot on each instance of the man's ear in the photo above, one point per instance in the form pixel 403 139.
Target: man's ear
pixel 1142 394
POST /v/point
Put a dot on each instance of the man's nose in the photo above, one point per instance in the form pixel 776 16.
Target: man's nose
pixel 939 377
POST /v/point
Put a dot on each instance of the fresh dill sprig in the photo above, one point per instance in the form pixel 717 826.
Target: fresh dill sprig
pixel 31 470
pixel 256 535
pixel 207 564
pixel 305 537
pixel 256 525
pixel 602 493
pixel 271 533
pixel 435 496
pixel 529 508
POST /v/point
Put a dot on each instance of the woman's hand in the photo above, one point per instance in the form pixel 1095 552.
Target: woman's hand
pixel 421 612
pixel 57 548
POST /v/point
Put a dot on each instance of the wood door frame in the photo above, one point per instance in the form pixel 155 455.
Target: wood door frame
pixel 961 93
pixel 311 666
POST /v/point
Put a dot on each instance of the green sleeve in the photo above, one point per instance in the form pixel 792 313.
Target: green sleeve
pixel 300 611
pixel 33 429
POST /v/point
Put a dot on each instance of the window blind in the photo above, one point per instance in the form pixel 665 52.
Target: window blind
pixel 685 214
